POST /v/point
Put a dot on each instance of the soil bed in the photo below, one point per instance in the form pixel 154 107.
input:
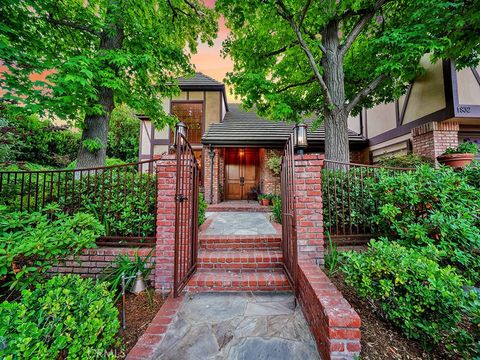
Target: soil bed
pixel 380 340
pixel 139 313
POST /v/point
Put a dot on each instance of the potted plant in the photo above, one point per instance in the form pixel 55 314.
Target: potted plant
pixel 264 200
pixel 459 157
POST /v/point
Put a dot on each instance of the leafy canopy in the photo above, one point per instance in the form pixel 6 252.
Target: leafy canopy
pixel 381 44
pixel 64 39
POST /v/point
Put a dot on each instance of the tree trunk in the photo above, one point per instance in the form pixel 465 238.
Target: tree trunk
pixel 96 126
pixel 336 118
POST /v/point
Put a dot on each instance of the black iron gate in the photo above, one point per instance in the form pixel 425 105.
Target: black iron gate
pixel 186 214
pixel 289 232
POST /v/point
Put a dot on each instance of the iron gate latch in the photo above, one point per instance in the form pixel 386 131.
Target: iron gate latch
pixel 180 198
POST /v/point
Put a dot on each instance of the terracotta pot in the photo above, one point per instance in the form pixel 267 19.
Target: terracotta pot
pixel 455 160
pixel 265 202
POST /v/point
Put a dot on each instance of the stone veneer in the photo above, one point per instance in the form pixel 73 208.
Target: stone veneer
pixel 432 139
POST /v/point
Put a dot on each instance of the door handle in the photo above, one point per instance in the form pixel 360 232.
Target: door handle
pixel 242 180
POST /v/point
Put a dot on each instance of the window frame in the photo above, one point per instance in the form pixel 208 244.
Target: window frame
pixel 195 146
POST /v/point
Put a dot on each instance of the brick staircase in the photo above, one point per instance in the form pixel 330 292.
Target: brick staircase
pixel 239 263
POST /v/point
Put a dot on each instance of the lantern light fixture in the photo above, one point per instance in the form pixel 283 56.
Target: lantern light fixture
pixel 180 128
pixel 300 137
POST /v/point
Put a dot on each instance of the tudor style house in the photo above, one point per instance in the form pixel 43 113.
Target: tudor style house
pixel 440 109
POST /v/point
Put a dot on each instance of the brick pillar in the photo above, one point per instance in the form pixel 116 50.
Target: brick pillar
pixel 309 207
pixel 432 139
pixel 216 176
pixel 165 244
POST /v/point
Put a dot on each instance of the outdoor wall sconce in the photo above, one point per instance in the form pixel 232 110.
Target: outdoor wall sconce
pixel 300 138
pixel 137 288
pixel 211 155
pixel 180 128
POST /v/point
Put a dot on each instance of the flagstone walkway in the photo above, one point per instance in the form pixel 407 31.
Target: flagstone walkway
pixel 238 326
pixel 239 223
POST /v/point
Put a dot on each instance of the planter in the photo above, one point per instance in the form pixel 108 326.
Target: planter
pixel 455 160
pixel 265 202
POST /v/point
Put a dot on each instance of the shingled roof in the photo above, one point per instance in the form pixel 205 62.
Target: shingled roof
pixel 241 128
pixel 199 81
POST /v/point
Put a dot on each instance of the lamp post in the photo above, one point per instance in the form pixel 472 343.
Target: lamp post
pixel 300 138
pixel 180 128
pixel 211 155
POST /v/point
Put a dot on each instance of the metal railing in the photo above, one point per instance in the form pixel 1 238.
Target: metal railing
pixel 289 231
pixel 348 201
pixel 121 197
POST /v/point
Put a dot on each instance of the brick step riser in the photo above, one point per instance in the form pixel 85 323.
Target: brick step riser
pixel 240 246
pixel 240 266
pixel 197 289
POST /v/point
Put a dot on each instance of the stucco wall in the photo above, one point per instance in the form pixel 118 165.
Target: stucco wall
pixel 468 87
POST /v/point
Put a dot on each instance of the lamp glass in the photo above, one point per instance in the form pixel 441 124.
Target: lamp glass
pixel 301 140
pixel 180 128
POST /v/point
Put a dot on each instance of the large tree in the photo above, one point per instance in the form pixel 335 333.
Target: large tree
pixel 331 58
pixel 98 53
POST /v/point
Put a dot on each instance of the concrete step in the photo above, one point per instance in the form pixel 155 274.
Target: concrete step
pixel 244 259
pixel 205 280
pixel 240 242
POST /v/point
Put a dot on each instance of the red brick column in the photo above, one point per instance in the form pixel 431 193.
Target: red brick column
pixel 432 139
pixel 309 207
pixel 166 173
pixel 217 160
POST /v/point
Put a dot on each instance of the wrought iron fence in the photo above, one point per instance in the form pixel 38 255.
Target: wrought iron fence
pixel 348 201
pixel 122 197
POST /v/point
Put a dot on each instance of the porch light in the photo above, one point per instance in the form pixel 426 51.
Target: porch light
pixel 300 137
pixel 211 155
pixel 180 128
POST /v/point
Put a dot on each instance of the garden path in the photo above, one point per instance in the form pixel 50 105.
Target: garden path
pixel 238 326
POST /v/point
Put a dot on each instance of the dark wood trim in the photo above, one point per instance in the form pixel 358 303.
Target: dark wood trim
pixel 161 141
pixel 140 140
pixel 476 74
pixel 220 88
pixel 152 138
pixel 366 123
pixel 405 104
pixel 188 95
pixel 439 115
pixel 397 112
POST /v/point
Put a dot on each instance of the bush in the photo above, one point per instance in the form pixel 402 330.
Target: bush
pixel 414 292
pixel 108 162
pixel 31 243
pixel 471 174
pixel 277 209
pixel 202 208
pixel 123 134
pixel 432 207
pixel 66 318
pixel 405 161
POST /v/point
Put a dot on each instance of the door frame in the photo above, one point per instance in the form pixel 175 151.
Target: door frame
pixel 225 177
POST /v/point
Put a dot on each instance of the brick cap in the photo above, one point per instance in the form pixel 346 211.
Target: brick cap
pixel 435 126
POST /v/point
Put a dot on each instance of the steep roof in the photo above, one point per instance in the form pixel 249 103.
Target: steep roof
pixel 241 128
pixel 199 80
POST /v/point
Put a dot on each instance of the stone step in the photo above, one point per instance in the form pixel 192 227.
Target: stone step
pixel 240 242
pixel 244 259
pixel 240 280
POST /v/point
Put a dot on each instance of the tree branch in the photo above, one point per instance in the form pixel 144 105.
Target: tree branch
pixel 367 90
pixel 304 13
pixel 360 25
pixel 283 12
pixel 71 24
pixel 199 14
pixel 279 51
pixel 306 82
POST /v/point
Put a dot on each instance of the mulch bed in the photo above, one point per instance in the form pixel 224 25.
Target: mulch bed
pixel 380 340
pixel 139 313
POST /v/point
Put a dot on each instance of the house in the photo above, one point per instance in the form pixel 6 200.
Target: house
pixel 440 109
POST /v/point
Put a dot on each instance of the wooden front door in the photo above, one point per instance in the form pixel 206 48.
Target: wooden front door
pixel 240 172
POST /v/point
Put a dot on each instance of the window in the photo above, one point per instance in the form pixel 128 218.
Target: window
pixel 191 113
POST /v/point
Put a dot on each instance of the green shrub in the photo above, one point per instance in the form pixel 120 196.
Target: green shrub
pixel 123 264
pixel 108 162
pixel 467 147
pixel 432 207
pixel 202 208
pixel 414 292
pixel 123 134
pixel 277 209
pixel 471 174
pixel 66 318
pixel 31 243
pixel 405 161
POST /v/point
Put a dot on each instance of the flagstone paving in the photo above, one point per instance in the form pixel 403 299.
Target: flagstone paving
pixel 238 326
pixel 240 223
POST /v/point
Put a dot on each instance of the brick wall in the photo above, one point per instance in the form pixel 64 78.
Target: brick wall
pixel 218 174
pixel 270 182
pixel 333 322
pixel 165 244
pixel 309 206
pixel 433 138
pixel 92 261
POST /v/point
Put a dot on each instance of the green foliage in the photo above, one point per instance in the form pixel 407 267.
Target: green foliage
pixel 29 138
pixel 31 243
pixel 132 51
pixel 429 207
pixel 92 145
pixel 202 208
pixel 405 161
pixel 274 164
pixel 108 162
pixel 466 147
pixel 414 292
pixel 123 264
pixel 277 209
pixel 123 136
pixel 471 173
pixel 67 317
pixel 331 256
